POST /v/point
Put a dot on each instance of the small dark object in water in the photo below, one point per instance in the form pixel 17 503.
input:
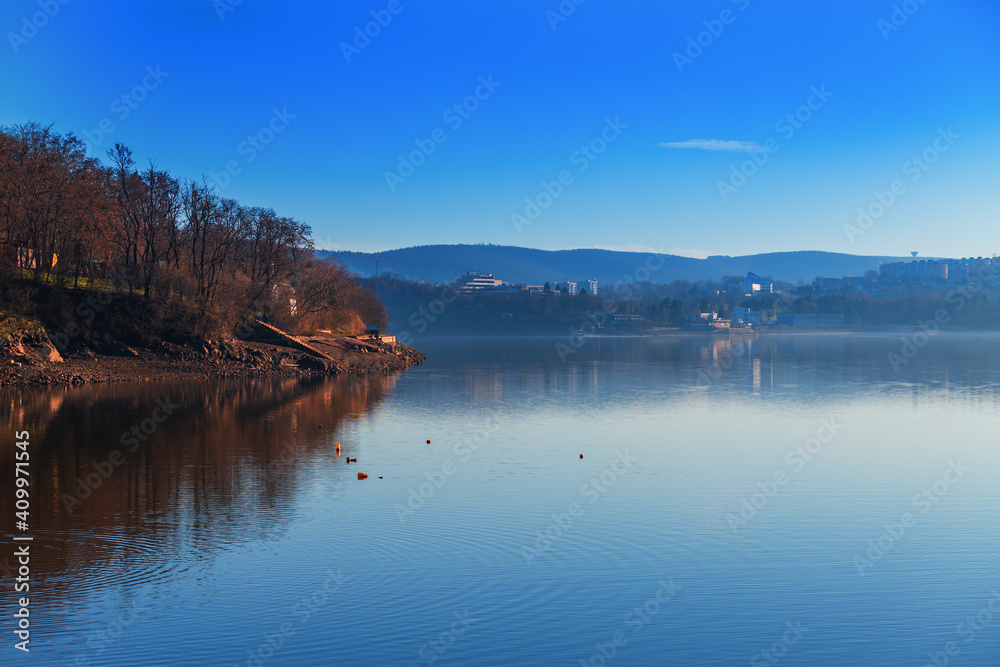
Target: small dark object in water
pixel 581 456
pixel 428 442
pixel 362 475
pixel 381 477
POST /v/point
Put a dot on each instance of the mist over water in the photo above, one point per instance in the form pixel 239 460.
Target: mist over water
pixel 794 495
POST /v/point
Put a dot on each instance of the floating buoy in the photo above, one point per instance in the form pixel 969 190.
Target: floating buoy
pixel 380 477
pixel 581 456
pixel 428 442
pixel 362 475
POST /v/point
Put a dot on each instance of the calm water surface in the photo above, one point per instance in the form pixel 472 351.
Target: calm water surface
pixel 795 495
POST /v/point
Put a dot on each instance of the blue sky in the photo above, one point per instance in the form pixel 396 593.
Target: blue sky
pixel 596 125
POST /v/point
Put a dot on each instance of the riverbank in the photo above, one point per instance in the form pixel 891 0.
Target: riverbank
pixel 665 332
pixel 29 358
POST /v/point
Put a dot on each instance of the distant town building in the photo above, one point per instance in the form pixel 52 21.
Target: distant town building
pixel 952 270
pixel 569 287
pixel 475 281
pixel 958 270
pixel 754 283
pixel 592 287
pixel 746 316
pixel 924 269
pixel 980 266
pixel 706 321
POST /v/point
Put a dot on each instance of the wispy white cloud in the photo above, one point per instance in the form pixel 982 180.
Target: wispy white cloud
pixel 713 145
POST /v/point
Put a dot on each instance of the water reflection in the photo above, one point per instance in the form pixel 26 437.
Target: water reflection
pixel 132 482
pixel 236 506
pixel 797 368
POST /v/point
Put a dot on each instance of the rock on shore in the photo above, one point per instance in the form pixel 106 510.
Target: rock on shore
pixel 30 358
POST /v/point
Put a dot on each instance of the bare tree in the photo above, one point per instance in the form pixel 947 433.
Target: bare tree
pixel 195 257
pixel 41 176
pixel 272 251
pixel 148 206
pixel 210 233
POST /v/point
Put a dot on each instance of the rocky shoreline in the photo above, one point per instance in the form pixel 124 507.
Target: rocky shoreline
pixel 30 358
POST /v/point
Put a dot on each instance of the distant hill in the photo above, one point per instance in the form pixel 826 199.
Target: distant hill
pixel 445 263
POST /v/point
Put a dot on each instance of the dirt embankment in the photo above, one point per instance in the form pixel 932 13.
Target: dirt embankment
pixel 29 358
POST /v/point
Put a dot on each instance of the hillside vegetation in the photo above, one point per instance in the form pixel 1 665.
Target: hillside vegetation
pixel 119 250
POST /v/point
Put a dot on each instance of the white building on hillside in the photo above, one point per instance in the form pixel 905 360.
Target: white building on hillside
pixel 475 281
pixel 754 283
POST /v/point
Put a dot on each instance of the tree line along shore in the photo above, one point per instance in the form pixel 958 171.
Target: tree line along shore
pixel 424 309
pixel 119 264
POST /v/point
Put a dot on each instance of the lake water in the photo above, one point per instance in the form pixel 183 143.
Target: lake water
pixel 790 499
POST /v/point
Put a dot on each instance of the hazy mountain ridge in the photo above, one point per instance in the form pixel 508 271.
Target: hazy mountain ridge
pixel 445 263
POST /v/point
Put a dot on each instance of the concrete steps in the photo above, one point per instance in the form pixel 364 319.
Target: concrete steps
pixel 292 341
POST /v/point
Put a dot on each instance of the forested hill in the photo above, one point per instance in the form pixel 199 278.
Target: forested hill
pixel 445 263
